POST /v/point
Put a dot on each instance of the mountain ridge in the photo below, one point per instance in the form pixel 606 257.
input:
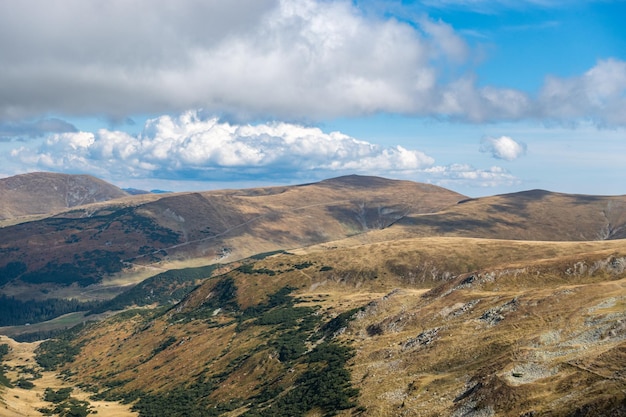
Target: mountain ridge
pixel 89 242
pixel 86 244
pixel 396 299
pixel 529 215
pixel 45 193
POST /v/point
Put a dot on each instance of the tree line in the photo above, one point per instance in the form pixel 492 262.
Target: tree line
pixel 14 312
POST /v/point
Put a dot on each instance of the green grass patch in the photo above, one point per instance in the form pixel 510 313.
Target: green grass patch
pixel 165 288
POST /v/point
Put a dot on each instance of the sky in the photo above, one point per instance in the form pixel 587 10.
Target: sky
pixel 479 96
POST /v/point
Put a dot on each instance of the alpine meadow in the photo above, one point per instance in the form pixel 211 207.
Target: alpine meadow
pixel 369 297
pixel 313 208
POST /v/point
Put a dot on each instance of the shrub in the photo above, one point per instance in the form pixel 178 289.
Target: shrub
pixel 52 353
pixel 58 396
pixel 4 350
pixel 166 343
pixel 24 384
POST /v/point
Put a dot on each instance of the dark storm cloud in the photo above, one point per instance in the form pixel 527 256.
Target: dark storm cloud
pixel 32 129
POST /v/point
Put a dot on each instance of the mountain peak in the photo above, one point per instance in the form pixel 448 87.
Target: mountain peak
pixel 47 192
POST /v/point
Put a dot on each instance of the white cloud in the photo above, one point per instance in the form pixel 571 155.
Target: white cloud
pixel 599 94
pixel 463 100
pixel 503 147
pixel 287 59
pixel 446 40
pixel 194 148
pixel 265 59
pixel 463 175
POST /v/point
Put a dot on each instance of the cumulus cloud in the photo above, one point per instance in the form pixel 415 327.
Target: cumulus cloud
pixel 446 40
pixel 503 147
pixel 191 147
pixel 287 59
pixel 463 100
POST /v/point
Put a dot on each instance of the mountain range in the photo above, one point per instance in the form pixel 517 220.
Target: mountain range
pixel 351 296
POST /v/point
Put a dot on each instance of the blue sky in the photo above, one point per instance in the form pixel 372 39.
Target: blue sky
pixel 482 97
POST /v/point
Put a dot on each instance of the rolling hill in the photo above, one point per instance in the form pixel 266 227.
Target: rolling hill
pixel 417 327
pixel 528 215
pixel 89 243
pixel 83 245
pixel 40 193
pixel 355 296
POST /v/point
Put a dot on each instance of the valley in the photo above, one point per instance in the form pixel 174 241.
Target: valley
pixel 353 296
pixel 25 402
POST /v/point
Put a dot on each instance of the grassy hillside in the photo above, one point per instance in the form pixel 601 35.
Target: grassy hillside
pixel 529 215
pixel 423 327
pixel 364 296
pixel 84 245
pixel 34 389
pixel 39 193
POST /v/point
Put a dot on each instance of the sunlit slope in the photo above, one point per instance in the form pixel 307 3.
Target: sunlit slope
pixel 88 243
pixel 46 193
pixel 530 215
pixel 436 326
pixel 23 400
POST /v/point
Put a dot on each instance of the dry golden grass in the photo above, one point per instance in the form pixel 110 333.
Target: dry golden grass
pixel 448 324
pixel 529 215
pixel 455 318
pixel 46 193
pixel 18 402
pixel 217 226
pixel 557 321
pixel 518 361
pixel 523 363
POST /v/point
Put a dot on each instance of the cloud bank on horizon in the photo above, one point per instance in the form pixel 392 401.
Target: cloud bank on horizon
pixel 233 87
pixel 190 147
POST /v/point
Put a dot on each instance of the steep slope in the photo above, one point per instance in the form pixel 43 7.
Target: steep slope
pixel 85 244
pixel 420 327
pixel 45 192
